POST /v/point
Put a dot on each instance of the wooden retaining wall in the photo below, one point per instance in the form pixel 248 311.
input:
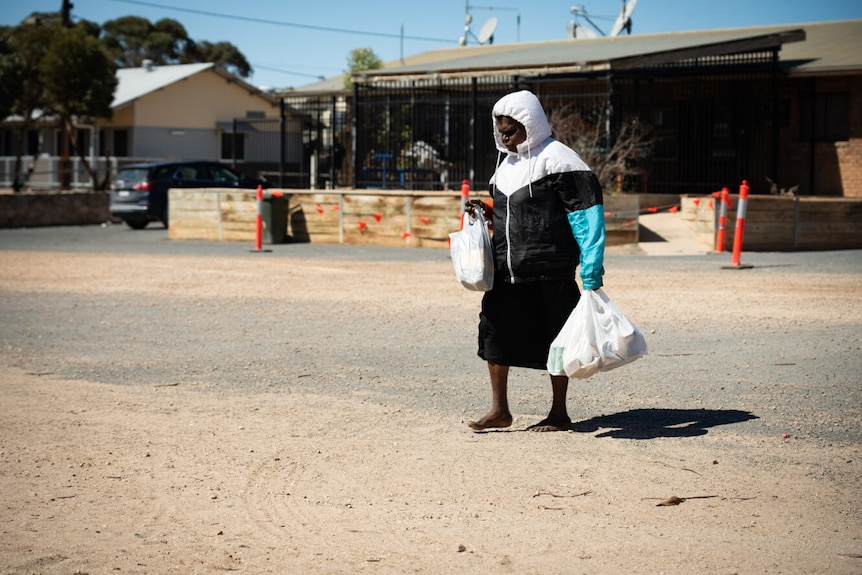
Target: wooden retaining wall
pixel 774 223
pixel 396 218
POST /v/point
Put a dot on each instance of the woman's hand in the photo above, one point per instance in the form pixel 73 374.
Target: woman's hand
pixel 470 205
pixel 487 210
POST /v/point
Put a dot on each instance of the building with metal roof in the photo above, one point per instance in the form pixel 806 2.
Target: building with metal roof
pixel 780 106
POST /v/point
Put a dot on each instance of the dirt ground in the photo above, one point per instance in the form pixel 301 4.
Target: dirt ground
pixel 138 434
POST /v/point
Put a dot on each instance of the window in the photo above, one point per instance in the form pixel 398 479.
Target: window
pixel 224 174
pixel 6 143
pixel 830 116
pixel 33 143
pixel 188 173
pixel 114 143
pixel 82 141
pixel 163 172
pixel 121 143
pixel 232 146
pixel 80 138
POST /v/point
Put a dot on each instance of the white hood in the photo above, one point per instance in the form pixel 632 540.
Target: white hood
pixel 526 108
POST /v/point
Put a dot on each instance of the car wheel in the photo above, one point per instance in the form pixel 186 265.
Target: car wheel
pixel 136 224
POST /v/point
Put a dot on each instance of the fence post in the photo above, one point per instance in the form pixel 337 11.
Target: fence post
pixel 340 217
pixel 220 220
pixel 740 223
pixel 258 220
pixel 465 194
pixel 408 209
pixel 258 223
pixel 722 220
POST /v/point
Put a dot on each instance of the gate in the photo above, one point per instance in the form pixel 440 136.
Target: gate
pixel 303 148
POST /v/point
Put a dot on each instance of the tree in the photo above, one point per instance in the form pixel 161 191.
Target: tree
pixel 223 54
pixel 11 74
pixel 360 60
pixel 612 154
pixel 131 39
pixel 28 43
pixel 56 71
pixel 79 80
pixel 47 68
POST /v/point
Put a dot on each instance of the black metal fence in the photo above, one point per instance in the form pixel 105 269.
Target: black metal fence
pixel 418 135
pixel 303 148
pixel 711 123
pixel 423 135
pixel 714 122
pixel 431 135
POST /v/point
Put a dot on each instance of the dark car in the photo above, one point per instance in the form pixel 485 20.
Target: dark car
pixel 139 195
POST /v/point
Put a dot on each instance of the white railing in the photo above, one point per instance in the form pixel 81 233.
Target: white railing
pixel 47 174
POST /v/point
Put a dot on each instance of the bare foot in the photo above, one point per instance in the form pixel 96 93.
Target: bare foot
pixel 491 420
pixel 552 424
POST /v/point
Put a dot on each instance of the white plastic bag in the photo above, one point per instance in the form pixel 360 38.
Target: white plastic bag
pixel 472 253
pixel 596 337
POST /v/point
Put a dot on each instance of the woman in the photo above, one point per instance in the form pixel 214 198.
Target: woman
pixel 547 218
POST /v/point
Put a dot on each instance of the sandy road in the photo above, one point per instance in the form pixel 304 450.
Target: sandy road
pixel 193 408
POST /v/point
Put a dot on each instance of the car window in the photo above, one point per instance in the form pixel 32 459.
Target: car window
pixel 219 173
pixel 189 172
pixel 132 175
pixel 162 172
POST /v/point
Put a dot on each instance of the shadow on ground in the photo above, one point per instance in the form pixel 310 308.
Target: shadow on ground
pixel 653 423
pixel 646 235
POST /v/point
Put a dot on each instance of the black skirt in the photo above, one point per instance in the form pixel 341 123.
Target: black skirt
pixel 519 321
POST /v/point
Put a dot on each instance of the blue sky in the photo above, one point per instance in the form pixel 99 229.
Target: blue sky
pixel 291 43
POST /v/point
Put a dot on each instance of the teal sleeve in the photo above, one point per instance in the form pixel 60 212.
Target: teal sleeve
pixel 588 227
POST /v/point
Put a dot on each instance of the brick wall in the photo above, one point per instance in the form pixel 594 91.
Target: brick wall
pixel 838 165
pixel 35 209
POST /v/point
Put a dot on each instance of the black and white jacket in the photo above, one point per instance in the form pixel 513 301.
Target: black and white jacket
pixel 548 212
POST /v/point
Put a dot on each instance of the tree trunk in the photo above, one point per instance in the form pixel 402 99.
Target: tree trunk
pixel 78 151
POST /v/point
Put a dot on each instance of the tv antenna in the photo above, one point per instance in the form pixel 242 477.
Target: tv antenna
pixel 623 22
pixel 486 33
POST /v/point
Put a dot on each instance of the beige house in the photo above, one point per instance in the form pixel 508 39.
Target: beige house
pixel 187 111
pixel 182 111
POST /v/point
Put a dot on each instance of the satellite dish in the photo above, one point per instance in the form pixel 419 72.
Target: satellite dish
pixel 578 31
pixel 486 34
pixel 623 21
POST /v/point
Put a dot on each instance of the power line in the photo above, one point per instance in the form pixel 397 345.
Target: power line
pixel 278 23
pixel 259 67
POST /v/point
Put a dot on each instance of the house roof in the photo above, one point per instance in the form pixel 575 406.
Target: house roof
pixel 828 47
pixel 137 82
pixel 804 49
